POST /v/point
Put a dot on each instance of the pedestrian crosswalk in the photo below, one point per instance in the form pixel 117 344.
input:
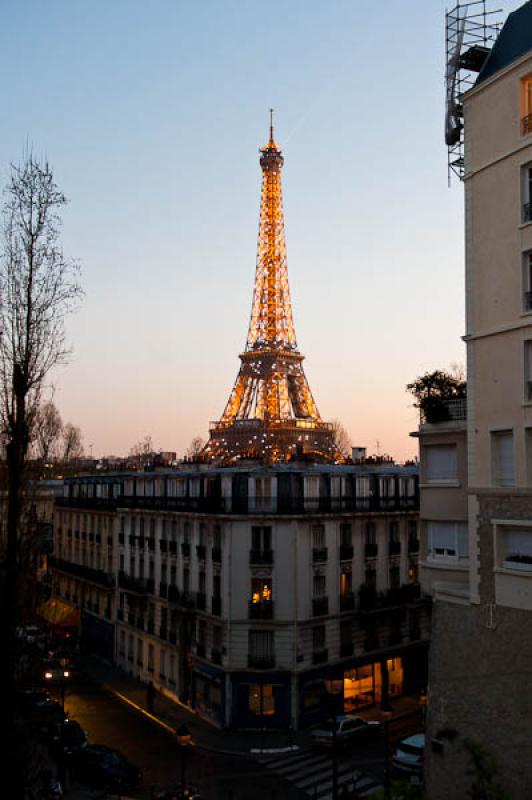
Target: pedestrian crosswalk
pixel 311 772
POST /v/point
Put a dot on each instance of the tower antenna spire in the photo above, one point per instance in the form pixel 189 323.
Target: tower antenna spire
pixel 271 124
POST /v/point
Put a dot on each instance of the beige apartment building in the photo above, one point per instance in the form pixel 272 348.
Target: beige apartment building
pixel 480 672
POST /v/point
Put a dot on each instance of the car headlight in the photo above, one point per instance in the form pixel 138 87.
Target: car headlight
pixel 48 675
pixel 66 674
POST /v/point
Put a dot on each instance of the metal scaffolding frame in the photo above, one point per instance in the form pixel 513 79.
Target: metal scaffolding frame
pixel 470 32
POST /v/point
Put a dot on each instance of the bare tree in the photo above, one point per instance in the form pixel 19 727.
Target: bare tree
pixel 342 440
pixel 195 448
pixel 142 452
pixel 47 432
pixel 38 288
pixel 72 443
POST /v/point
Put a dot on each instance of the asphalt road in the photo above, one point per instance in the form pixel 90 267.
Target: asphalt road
pixel 110 722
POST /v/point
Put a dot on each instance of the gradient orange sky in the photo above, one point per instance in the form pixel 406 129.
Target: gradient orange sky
pixel 152 116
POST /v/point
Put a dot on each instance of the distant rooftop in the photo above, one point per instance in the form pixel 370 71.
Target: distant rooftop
pixel 514 40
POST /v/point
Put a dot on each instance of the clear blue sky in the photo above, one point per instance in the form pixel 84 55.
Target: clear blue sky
pixel 152 113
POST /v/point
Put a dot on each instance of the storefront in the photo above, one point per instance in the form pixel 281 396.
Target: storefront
pixel 208 692
pixel 363 685
pixel 260 701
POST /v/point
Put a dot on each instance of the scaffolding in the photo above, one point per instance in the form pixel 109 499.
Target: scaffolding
pixel 470 32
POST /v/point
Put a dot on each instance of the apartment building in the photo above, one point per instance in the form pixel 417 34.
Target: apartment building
pixel 480 684
pixel 241 590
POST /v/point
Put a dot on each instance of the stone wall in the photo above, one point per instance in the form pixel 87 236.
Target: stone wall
pixel 480 687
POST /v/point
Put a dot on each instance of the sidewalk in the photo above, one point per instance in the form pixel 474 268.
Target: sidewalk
pixel 170 715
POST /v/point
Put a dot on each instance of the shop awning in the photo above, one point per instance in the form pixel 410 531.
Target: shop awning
pixel 57 612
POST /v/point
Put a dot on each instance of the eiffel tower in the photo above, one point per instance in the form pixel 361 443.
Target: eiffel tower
pixel 271 413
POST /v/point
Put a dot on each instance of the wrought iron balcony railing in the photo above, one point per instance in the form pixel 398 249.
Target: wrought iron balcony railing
pixel 261 610
pixel 104 579
pixel 320 606
pixel 261 556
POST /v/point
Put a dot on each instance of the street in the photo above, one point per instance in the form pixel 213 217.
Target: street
pixel 301 774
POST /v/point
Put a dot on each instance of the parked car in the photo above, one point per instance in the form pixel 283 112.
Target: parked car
pixel 101 767
pixel 408 758
pixel 32 634
pixel 72 736
pixel 348 728
pixel 36 704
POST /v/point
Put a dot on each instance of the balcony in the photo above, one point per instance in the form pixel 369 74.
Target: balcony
pixel 104 579
pixel 201 601
pixel 216 606
pixel 216 555
pixel 526 125
pixel 261 610
pixel 185 550
pixel 320 606
pixel 452 410
pixel 135 585
pixel 370 600
pixel 413 545
pixel 371 550
pixel 320 656
pixel 163 590
pixel 346 649
pixel 201 552
pixel 319 554
pixel 347 602
pixel 394 548
pixel 261 556
pixel 261 662
pixel 216 656
pixel 346 552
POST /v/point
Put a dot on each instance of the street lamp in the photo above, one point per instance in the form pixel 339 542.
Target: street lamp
pixel 334 688
pixel 184 738
pixel 387 715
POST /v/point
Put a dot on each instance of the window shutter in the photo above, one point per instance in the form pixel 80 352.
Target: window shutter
pixel 504 458
pixel 440 462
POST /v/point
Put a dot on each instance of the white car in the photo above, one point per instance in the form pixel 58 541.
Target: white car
pixel 408 758
pixel 348 728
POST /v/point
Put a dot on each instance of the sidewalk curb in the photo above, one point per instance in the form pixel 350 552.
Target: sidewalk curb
pixel 170 730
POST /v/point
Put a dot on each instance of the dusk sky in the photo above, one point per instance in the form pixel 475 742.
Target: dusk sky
pixel 152 113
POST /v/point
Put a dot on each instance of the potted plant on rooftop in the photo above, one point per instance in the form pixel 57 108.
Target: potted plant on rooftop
pixel 433 391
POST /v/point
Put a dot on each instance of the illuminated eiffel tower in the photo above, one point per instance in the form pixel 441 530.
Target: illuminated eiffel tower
pixel 271 413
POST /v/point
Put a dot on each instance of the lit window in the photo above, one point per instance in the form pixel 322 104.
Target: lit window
pixel 526 105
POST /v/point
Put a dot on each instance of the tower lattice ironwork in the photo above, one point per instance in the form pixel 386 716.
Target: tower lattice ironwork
pixel 271 412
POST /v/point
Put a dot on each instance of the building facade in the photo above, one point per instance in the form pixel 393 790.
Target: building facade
pixel 240 590
pixel 480 684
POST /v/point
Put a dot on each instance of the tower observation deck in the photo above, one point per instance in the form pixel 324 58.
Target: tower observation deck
pixel 271 413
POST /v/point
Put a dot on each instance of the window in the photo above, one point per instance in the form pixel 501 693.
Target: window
pixel 448 540
pixel 312 487
pixel 440 462
pixel 261 590
pixel 261 699
pixel 527 281
pixel 346 534
pixel 319 586
pixel 371 533
pixel 216 586
pixel 261 538
pixel 202 631
pixel 122 643
pixel 394 531
pixel 217 538
pixel 395 578
pixel 514 546
pixel 217 637
pixel 526 105
pixel 346 632
pixel 162 663
pixel 362 488
pixel 263 494
pixel 318 537
pixel 528 369
pixel 261 644
pixel 186 580
pixel 201 582
pixel 318 637
pixel 346 584
pixel 526 193
pixel 370 578
pixel 151 657
pixel 140 652
pixel 502 458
